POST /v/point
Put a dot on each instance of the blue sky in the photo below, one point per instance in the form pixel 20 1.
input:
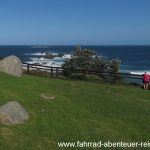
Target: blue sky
pixel 86 22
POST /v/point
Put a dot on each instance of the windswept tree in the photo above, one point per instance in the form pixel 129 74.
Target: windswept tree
pixel 84 60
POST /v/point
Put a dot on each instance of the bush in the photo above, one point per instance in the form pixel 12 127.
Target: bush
pixel 86 60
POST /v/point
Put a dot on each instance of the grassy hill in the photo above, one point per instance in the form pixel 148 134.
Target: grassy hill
pixel 81 111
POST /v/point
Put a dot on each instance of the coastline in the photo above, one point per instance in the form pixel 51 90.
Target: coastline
pixel 135 59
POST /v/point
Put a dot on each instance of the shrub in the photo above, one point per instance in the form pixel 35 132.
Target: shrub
pixel 85 60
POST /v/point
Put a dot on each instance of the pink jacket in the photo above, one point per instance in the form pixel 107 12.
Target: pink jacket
pixel 146 77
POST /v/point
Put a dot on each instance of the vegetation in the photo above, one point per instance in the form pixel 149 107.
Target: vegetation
pixel 86 60
pixel 81 111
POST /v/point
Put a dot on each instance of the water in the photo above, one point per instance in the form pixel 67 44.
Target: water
pixel 135 59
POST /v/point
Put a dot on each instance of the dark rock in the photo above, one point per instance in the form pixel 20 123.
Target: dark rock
pixel 51 56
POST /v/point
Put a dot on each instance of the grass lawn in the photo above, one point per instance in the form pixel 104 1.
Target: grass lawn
pixel 81 111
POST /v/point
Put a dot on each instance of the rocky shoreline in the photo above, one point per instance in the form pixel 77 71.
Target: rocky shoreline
pixel 51 56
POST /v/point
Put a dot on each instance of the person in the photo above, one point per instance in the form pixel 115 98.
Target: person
pixel 146 78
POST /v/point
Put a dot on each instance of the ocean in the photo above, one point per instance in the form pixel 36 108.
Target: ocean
pixel 135 59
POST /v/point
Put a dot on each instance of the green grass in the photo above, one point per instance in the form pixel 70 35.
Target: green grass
pixel 81 111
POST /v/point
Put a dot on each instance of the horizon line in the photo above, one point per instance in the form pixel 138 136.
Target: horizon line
pixel 74 44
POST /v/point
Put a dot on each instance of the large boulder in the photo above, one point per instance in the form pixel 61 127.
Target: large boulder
pixel 11 65
pixel 12 113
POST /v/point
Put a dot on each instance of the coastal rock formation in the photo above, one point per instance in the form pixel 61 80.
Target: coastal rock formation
pixel 12 113
pixel 11 65
pixel 51 56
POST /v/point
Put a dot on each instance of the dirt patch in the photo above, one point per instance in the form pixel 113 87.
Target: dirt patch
pixel 47 96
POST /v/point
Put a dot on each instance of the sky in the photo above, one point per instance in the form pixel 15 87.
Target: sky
pixel 72 22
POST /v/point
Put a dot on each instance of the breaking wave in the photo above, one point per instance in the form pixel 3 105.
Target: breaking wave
pixel 38 58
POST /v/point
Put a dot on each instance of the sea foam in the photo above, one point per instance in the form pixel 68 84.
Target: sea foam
pixel 35 54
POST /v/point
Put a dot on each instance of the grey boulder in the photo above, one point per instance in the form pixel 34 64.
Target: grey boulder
pixel 11 65
pixel 13 113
